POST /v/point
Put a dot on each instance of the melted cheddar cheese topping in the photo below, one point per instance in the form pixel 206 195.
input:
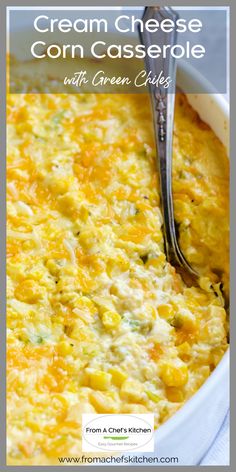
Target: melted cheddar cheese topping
pixel 98 320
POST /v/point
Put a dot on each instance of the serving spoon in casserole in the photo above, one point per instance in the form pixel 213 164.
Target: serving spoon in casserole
pixel 163 102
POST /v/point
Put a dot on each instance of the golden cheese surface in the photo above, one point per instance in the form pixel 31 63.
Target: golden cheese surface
pixel 98 321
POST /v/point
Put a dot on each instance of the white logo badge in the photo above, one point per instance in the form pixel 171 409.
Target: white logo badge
pixel 122 433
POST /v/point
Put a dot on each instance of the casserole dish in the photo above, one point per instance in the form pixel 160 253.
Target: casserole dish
pixel 179 436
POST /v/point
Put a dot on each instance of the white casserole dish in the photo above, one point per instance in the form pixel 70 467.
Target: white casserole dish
pixel 190 432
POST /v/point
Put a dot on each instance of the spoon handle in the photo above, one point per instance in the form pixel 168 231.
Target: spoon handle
pixel 163 100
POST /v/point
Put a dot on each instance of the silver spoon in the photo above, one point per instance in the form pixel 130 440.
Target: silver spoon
pixel 163 100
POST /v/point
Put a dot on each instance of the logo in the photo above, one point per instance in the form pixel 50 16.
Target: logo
pixel 122 433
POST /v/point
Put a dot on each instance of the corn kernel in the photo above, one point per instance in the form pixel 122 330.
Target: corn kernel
pixel 68 204
pixel 118 377
pixel 87 239
pixel 84 378
pixel 166 311
pixel 83 213
pixel 156 261
pixel 60 185
pixel 65 348
pixel 186 320
pixel 29 244
pixel 52 267
pixel 173 375
pixel 111 319
pixel 104 304
pixel 150 312
pixel 117 265
pixel 132 390
pixel 103 402
pixel 184 349
pixel 100 380
pixel 157 236
pixel 174 394
pixel 85 304
pixel 28 291
pixel 80 331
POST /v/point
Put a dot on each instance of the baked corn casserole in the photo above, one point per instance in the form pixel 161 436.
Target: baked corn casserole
pixel 98 320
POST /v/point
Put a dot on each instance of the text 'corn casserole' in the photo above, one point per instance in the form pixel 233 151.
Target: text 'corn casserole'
pixel 98 321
